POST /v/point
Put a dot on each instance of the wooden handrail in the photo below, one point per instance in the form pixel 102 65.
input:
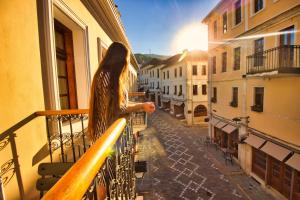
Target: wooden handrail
pixel 77 180
pixel 62 112
pixel 136 94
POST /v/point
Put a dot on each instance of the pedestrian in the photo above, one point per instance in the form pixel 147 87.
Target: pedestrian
pixel 109 96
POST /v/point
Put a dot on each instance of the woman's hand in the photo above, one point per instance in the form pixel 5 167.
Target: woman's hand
pixel 149 107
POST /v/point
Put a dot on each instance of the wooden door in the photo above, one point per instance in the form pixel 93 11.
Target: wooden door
pixel 65 66
pixel 296 188
pixel 286 51
pixel 280 176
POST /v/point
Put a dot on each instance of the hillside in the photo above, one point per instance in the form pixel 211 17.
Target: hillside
pixel 143 58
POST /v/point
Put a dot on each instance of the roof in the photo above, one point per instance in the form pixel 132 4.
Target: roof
pixel 215 8
pixel 153 61
pixel 195 55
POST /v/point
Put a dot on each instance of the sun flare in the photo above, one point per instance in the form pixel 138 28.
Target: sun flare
pixel 191 37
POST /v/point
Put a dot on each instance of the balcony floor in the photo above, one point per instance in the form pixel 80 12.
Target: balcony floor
pixel 180 166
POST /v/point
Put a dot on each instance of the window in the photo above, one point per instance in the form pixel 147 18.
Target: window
pixel 259 163
pixel 238 12
pixel 175 73
pixel 175 89
pixel 214 62
pixel 234 102
pixel 168 90
pixel 168 74
pixel 225 22
pixel 65 66
pixel 180 90
pixel 164 90
pixel 157 73
pixel 215 29
pixel 157 85
pixel 224 61
pixel 164 75
pixel 195 90
pixel 214 97
pixel 258 99
pixel 258 5
pixel 237 58
pixel 194 69
pixel 258 52
pixel 204 91
pixel 203 70
pixel 180 71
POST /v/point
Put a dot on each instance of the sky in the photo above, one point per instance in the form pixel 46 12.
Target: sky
pixel 165 27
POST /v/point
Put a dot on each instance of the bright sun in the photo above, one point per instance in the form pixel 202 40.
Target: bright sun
pixel 191 37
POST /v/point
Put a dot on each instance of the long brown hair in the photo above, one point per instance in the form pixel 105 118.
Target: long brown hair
pixel 115 66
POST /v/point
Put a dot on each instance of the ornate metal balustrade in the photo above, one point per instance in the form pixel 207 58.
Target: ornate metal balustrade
pixel 68 144
pixel 284 59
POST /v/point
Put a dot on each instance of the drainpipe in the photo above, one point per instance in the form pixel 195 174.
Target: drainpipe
pixel 209 82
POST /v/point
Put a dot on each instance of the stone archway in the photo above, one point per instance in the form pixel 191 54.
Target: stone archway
pixel 200 111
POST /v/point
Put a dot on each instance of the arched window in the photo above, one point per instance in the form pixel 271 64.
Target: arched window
pixel 200 110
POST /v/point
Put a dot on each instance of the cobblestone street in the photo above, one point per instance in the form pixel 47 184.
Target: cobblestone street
pixel 180 166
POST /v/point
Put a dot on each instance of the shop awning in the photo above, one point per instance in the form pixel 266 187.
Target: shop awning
pixel 294 161
pixel 214 121
pixel 275 151
pixel 178 103
pixel 221 124
pixel 229 128
pixel 254 141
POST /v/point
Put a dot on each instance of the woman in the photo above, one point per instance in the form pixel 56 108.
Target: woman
pixel 109 98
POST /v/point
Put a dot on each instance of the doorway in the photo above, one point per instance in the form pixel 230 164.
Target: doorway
pixel 65 66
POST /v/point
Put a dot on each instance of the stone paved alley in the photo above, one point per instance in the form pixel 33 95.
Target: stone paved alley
pixel 181 166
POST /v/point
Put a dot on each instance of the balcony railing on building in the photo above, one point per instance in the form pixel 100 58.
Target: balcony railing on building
pixel 282 59
pixel 104 169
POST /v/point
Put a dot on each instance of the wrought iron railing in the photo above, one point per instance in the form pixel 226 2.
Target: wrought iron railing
pixel 106 170
pixel 284 59
pixel 67 142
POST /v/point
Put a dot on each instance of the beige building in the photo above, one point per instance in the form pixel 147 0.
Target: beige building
pixel 254 81
pixel 49 50
pixel 179 85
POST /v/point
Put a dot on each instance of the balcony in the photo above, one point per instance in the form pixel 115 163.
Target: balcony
pixel 69 162
pixel 279 60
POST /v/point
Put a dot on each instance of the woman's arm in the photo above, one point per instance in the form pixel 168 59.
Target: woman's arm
pixel 136 107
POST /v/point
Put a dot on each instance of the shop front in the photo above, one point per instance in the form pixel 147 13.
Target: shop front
pixel 166 103
pixel 179 109
pixel 276 165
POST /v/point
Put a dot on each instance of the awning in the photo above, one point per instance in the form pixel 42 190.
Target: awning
pixel 229 128
pixel 254 141
pixel 178 103
pixel 221 124
pixel 275 151
pixel 214 121
pixel 294 161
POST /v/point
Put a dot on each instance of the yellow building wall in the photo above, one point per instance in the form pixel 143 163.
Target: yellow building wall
pixel 270 7
pixel 280 117
pixel 22 86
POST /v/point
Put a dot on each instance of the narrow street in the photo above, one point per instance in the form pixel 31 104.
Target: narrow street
pixel 181 166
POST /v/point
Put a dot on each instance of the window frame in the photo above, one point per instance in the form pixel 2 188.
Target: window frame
pixel 224 61
pixel 204 89
pixel 225 22
pixel 195 90
pixel 237 60
pixel 194 70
